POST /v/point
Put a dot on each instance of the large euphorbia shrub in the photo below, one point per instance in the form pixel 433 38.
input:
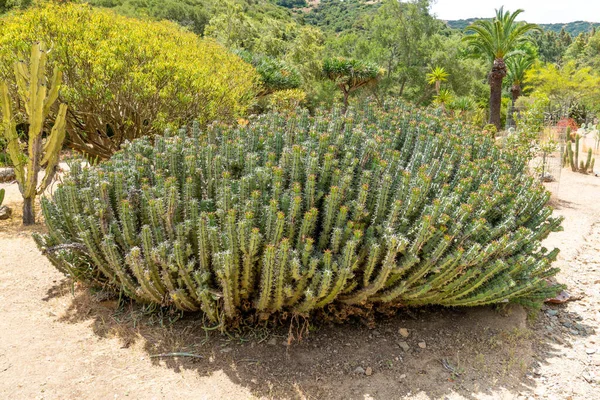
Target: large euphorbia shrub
pixel 295 213
pixel 124 77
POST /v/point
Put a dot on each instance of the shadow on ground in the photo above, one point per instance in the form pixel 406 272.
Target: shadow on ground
pixel 467 352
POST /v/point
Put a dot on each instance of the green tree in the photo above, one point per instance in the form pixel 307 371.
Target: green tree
pixel 466 75
pixel 498 40
pixel 350 75
pixel 551 46
pixel 566 86
pixel 401 35
pixel 274 74
pixel 7 5
pixel 436 76
pixel 576 50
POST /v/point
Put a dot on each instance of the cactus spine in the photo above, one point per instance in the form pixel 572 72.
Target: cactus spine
pixel 38 94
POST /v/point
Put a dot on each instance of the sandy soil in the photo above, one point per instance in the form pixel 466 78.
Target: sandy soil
pixel 61 341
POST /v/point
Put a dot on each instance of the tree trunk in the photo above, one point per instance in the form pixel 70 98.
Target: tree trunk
pixel 346 96
pixel 496 76
pixel 402 87
pixel 29 211
pixel 515 91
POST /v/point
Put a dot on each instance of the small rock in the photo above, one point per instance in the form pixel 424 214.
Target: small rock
pixel 422 345
pixel 5 212
pixel 551 312
pixel 226 350
pixel 590 351
pixel 369 371
pixel 589 376
pixel 403 332
pixel 7 175
pixel 359 370
pixel 272 342
pixel 404 346
pixel 402 376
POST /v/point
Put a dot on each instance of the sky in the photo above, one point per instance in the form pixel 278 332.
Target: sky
pixel 536 11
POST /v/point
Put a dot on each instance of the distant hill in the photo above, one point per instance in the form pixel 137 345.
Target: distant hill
pixel 338 15
pixel 574 28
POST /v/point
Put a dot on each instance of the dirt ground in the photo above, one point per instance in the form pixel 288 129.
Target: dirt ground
pixel 60 341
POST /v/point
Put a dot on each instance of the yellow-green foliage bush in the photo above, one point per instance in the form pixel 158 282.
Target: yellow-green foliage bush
pixel 286 100
pixel 125 78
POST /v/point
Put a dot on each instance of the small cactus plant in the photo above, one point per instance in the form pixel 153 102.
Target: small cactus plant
pixel 38 94
pixel 571 158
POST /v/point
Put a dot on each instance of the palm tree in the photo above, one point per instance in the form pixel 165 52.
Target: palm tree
pixel 498 40
pixel 444 98
pixel 517 66
pixel 462 106
pixel 436 76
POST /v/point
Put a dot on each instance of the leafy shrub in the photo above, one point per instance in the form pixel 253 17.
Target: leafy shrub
pixel 392 207
pixel 490 129
pixel 567 123
pixel 123 77
pixel 286 100
pixel 274 74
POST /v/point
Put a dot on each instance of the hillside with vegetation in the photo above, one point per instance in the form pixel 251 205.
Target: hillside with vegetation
pixel 572 28
pixel 287 41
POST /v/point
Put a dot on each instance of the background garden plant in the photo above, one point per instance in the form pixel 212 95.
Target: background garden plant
pixel 38 95
pixel 124 77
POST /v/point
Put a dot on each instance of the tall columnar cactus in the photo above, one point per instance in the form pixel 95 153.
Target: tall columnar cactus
pixel 571 158
pixel 298 213
pixel 38 94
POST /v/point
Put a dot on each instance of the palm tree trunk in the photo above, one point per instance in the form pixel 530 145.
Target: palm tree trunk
pixel 515 91
pixel 495 79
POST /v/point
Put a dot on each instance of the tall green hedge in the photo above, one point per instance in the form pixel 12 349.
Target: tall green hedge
pixel 389 206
